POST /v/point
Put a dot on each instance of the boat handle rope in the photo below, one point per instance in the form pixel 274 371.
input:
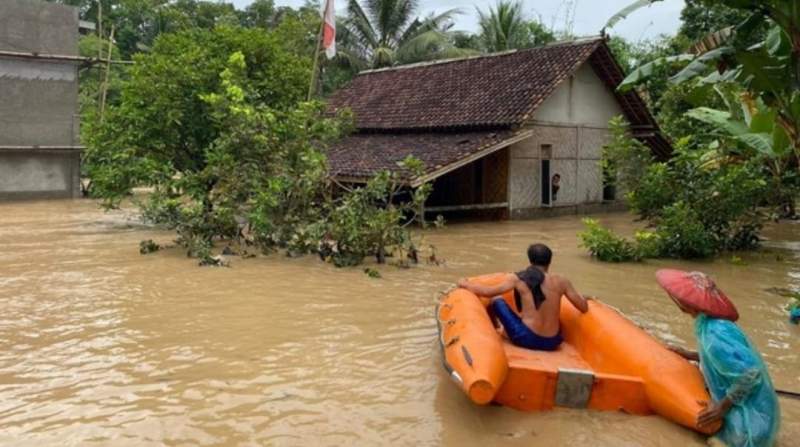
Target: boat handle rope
pixel 467 355
pixel 448 290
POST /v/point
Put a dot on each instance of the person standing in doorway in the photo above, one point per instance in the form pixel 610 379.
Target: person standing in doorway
pixel 555 185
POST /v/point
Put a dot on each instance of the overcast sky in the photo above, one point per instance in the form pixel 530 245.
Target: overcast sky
pixel 590 15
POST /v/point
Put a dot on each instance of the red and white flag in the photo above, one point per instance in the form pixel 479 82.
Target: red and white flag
pixel 329 30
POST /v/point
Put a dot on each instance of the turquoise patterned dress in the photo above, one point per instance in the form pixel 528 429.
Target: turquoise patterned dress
pixel 733 368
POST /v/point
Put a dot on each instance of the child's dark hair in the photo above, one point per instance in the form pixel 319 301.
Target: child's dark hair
pixel 540 255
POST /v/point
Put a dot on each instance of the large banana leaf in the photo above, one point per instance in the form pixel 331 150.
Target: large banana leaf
pixel 626 11
pixel 647 70
pixel 761 136
pixel 700 65
pixel 720 119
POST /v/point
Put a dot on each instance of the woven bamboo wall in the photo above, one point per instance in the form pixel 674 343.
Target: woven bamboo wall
pixel 495 177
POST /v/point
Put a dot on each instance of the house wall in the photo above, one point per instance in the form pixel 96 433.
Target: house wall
pixel 39 123
pixel 573 121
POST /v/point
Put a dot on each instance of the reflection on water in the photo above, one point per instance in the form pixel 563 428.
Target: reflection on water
pixel 102 346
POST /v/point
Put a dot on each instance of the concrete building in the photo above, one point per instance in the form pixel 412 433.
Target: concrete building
pixel 39 124
pixel 514 134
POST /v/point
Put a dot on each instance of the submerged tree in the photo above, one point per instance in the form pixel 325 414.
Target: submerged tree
pixel 215 124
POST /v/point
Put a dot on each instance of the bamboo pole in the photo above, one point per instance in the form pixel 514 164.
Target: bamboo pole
pixel 104 90
pixel 99 41
pixel 316 60
pixel 100 27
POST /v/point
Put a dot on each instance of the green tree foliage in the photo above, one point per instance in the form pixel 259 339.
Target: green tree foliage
pixel 506 27
pixel 139 22
pixel 625 159
pixel 163 119
pixel 675 120
pixel 700 18
pixel 259 13
pixel 92 78
pixel 467 41
pixel 656 59
pixel 387 32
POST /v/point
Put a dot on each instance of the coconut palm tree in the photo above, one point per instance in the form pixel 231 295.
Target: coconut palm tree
pixel 505 27
pixel 387 32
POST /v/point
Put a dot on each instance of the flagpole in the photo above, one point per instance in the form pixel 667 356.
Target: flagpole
pixel 316 59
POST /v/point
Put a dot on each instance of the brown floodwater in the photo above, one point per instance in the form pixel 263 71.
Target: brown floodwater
pixel 102 346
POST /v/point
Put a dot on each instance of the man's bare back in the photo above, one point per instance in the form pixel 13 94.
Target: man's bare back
pixel 544 320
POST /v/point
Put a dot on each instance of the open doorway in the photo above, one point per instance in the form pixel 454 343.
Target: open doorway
pixel 544 175
pixel 546 191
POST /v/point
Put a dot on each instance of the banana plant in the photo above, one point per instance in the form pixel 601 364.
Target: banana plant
pixel 753 132
pixel 768 72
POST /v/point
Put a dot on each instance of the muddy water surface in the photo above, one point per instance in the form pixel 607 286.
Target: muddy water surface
pixel 102 346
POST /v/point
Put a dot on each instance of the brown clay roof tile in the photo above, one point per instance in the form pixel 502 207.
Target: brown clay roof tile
pixel 361 155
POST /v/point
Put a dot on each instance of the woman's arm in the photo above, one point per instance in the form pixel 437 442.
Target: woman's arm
pixel 739 391
pixel 744 385
pixel 685 353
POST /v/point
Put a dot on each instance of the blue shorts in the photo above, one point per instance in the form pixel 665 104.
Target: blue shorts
pixel 521 335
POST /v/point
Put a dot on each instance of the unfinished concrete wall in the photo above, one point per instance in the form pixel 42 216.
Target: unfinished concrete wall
pixel 39 125
pixel 570 127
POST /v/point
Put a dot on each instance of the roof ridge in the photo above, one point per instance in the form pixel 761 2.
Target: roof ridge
pixel 575 41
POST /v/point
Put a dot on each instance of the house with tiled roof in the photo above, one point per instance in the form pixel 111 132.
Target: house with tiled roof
pixel 519 133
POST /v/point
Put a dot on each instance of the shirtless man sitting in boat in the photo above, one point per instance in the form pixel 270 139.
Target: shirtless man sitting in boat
pixel 538 293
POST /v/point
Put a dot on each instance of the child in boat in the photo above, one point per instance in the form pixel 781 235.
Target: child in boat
pixel 736 377
pixel 538 298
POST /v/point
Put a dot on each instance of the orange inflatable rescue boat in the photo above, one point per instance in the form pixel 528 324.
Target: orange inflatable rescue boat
pixel 605 363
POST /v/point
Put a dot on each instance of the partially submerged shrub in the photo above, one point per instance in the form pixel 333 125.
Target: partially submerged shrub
pixel 607 246
pixel 648 244
pixel 148 246
pixel 681 234
pixel 372 221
